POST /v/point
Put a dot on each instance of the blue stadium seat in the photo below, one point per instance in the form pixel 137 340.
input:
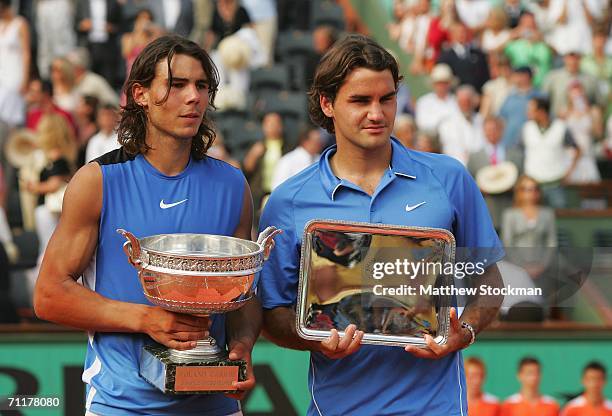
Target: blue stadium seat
pixel 274 78
pixel 241 136
pixel 286 103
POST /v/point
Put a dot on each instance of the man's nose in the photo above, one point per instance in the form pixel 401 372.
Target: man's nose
pixel 193 94
pixel 375 112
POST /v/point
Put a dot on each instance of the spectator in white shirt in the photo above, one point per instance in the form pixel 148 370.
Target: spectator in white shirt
pixel 432 108
pixel 461 134
pixel 545 141
pixel 106 139
pixel 88 82
pixel 496 90
pixel 573 21
pixel 473 13
pixel 309 147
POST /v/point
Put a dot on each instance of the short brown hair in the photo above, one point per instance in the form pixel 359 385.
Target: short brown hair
pixel 527 361
pixel 474 361
pixel 133 124
pixel 352 52
pixel 596 366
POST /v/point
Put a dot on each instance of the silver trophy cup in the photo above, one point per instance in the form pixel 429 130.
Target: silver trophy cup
pixel 198 274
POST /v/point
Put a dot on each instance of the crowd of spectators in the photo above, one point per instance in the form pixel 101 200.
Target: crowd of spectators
pixel 521 83
pixel 520 94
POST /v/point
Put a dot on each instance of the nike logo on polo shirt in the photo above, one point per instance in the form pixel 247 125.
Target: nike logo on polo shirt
pixel 162 205
pixel 413 207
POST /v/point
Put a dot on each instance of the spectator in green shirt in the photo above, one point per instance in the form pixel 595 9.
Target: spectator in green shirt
pixel 529 49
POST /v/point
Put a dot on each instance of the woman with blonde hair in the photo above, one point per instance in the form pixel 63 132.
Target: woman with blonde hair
pixel 56 140
pixel 496 34
pixel 63 79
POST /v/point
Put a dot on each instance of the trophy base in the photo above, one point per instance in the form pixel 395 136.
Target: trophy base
pixel 193 377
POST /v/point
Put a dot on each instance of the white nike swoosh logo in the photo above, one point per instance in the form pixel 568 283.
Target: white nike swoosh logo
pixel 413 207
pixel 162 205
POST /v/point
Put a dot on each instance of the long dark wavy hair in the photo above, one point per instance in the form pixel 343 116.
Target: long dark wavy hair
pixel 133 123
pixel 349 53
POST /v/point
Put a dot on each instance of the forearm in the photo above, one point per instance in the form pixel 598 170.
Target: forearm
pixel 279 327
pixel 244 324
pixel 249 163
pixel 71 304
pixel 482 309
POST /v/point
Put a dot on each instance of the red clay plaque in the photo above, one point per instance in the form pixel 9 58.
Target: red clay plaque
pixel 205 378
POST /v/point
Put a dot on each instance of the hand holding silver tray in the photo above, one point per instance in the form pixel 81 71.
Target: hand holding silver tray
pixel 364 274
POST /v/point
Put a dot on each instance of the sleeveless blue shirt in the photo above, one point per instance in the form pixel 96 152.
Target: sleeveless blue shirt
pixel 205 198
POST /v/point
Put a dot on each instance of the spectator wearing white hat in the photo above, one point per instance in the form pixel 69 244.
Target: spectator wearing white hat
pixel 432 108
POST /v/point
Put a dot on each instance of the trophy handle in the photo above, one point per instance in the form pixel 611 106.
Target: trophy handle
pixel 131 248
pixel 266 239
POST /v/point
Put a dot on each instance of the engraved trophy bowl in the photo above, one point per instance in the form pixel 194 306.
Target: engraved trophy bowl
pixel 198 274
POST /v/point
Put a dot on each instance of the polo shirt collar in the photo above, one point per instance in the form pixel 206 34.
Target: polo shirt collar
pixel 401 162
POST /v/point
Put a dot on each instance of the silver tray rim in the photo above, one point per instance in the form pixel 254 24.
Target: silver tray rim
pixel 368 338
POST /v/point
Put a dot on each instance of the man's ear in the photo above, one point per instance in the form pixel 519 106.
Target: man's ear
pixel 327 106
pixel 141 95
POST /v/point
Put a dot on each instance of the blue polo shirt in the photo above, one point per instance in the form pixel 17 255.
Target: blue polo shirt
pixel 378 380
pixel 514 113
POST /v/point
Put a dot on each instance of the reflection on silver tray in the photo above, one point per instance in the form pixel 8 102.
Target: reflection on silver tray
pixel 337 287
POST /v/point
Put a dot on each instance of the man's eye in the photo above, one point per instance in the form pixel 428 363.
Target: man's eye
pixel 178 84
